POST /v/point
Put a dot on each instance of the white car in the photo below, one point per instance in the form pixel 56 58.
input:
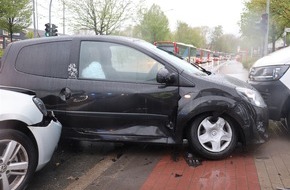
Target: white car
pixel 29 134
pixel 270 75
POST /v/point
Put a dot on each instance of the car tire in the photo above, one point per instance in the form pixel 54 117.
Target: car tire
pixel 18 159
pixel 288 121
pixel 212 137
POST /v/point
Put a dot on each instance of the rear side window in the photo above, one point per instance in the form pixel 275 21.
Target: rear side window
pixel 45 59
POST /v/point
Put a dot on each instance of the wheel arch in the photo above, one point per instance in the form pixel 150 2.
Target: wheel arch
pixel 237 125
pixel 19 126
pixel 286 108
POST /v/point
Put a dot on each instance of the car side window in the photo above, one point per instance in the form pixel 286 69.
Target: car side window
pixel 115 62
pixel 90 61
pixel 45 59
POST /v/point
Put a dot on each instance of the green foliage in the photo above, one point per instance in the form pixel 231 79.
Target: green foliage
pixel 247 63
pixel 1 52
pixel 15 15
pixel 154 25
pixel 189 35
pixel 216 41
pixel 29 35
pixel 279 19
pixel 225 43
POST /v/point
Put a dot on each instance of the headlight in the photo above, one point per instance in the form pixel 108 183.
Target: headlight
pixel 40 105
pixel 267 73
pixel 251 96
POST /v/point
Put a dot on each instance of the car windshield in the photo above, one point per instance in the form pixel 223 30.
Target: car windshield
pixel 175 61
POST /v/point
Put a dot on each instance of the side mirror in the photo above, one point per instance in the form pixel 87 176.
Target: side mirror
pixel 163 76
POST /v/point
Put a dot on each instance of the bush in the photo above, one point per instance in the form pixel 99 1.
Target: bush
pixel 249 62
pixel 1 52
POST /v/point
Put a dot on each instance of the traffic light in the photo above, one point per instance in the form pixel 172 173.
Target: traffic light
pixel 50 31
pixel 264 22
pixel 53 30
pixel 47 29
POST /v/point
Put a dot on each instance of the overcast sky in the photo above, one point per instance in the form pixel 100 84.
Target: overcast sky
pixel 203 12
pixel 194 12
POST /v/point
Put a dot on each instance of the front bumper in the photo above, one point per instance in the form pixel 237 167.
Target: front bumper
pixel 254 122
pixel 47 138
pixel 260 125
pixel 275 94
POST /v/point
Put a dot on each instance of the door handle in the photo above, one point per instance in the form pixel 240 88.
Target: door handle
pixel 65 94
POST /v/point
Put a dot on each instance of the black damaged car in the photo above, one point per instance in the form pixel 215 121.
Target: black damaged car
pixel 111 88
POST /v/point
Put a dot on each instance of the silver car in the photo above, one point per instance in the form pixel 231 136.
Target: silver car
pixel 29 134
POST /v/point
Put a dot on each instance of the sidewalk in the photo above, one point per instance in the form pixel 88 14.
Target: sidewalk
pixel 265 167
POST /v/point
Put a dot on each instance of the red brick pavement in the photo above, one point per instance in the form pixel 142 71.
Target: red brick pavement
pixel 234 173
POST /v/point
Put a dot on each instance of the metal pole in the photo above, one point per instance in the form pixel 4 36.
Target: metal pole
pixel 63 18
pixel 34 20
pixel 36 10
pixel 267 31
pixel 50 17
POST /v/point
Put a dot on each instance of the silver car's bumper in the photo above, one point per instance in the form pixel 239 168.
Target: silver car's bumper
pixel 47 138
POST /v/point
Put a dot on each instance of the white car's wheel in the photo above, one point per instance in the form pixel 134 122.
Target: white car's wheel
pixel 18 159
pixel 213 137
pixel 288 120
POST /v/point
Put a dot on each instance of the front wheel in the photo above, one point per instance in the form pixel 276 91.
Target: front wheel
pixel 288 121
pixel 18 159
pixel 213 137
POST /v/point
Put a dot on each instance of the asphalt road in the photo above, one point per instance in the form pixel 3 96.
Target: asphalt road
pixel 97 165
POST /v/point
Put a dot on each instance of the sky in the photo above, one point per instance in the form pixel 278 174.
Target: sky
pixel 226 13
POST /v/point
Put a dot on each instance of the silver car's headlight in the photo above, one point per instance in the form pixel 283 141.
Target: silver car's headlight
pixel 40 105
pixel 267 73
pixel 251 96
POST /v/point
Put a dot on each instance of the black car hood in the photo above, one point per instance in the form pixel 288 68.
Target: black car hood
pixel 228 81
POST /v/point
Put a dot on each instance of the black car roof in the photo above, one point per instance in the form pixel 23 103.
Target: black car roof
pixel 77 37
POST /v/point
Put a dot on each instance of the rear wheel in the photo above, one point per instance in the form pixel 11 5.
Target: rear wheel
pixel 213 137
pixel 18 159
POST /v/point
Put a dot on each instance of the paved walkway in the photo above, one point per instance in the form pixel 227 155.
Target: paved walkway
pixel 236 172
pixel 265 167
pixel 273 164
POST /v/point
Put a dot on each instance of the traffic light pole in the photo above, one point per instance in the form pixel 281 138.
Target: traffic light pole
pixel 266 41
pixel 50 17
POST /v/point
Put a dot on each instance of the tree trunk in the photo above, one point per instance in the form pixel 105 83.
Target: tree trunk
pixel 11 36
pixel 273 37
pixel 10 29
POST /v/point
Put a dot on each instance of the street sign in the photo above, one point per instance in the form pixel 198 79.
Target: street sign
pixel 287 30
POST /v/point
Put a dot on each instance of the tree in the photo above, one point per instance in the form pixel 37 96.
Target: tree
pixel 29 35
pixel 154 25
pixel 186 34
pixel 15 15
pixel 250 18
pixel 215 37
pixel 227 43
pixel 101 16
